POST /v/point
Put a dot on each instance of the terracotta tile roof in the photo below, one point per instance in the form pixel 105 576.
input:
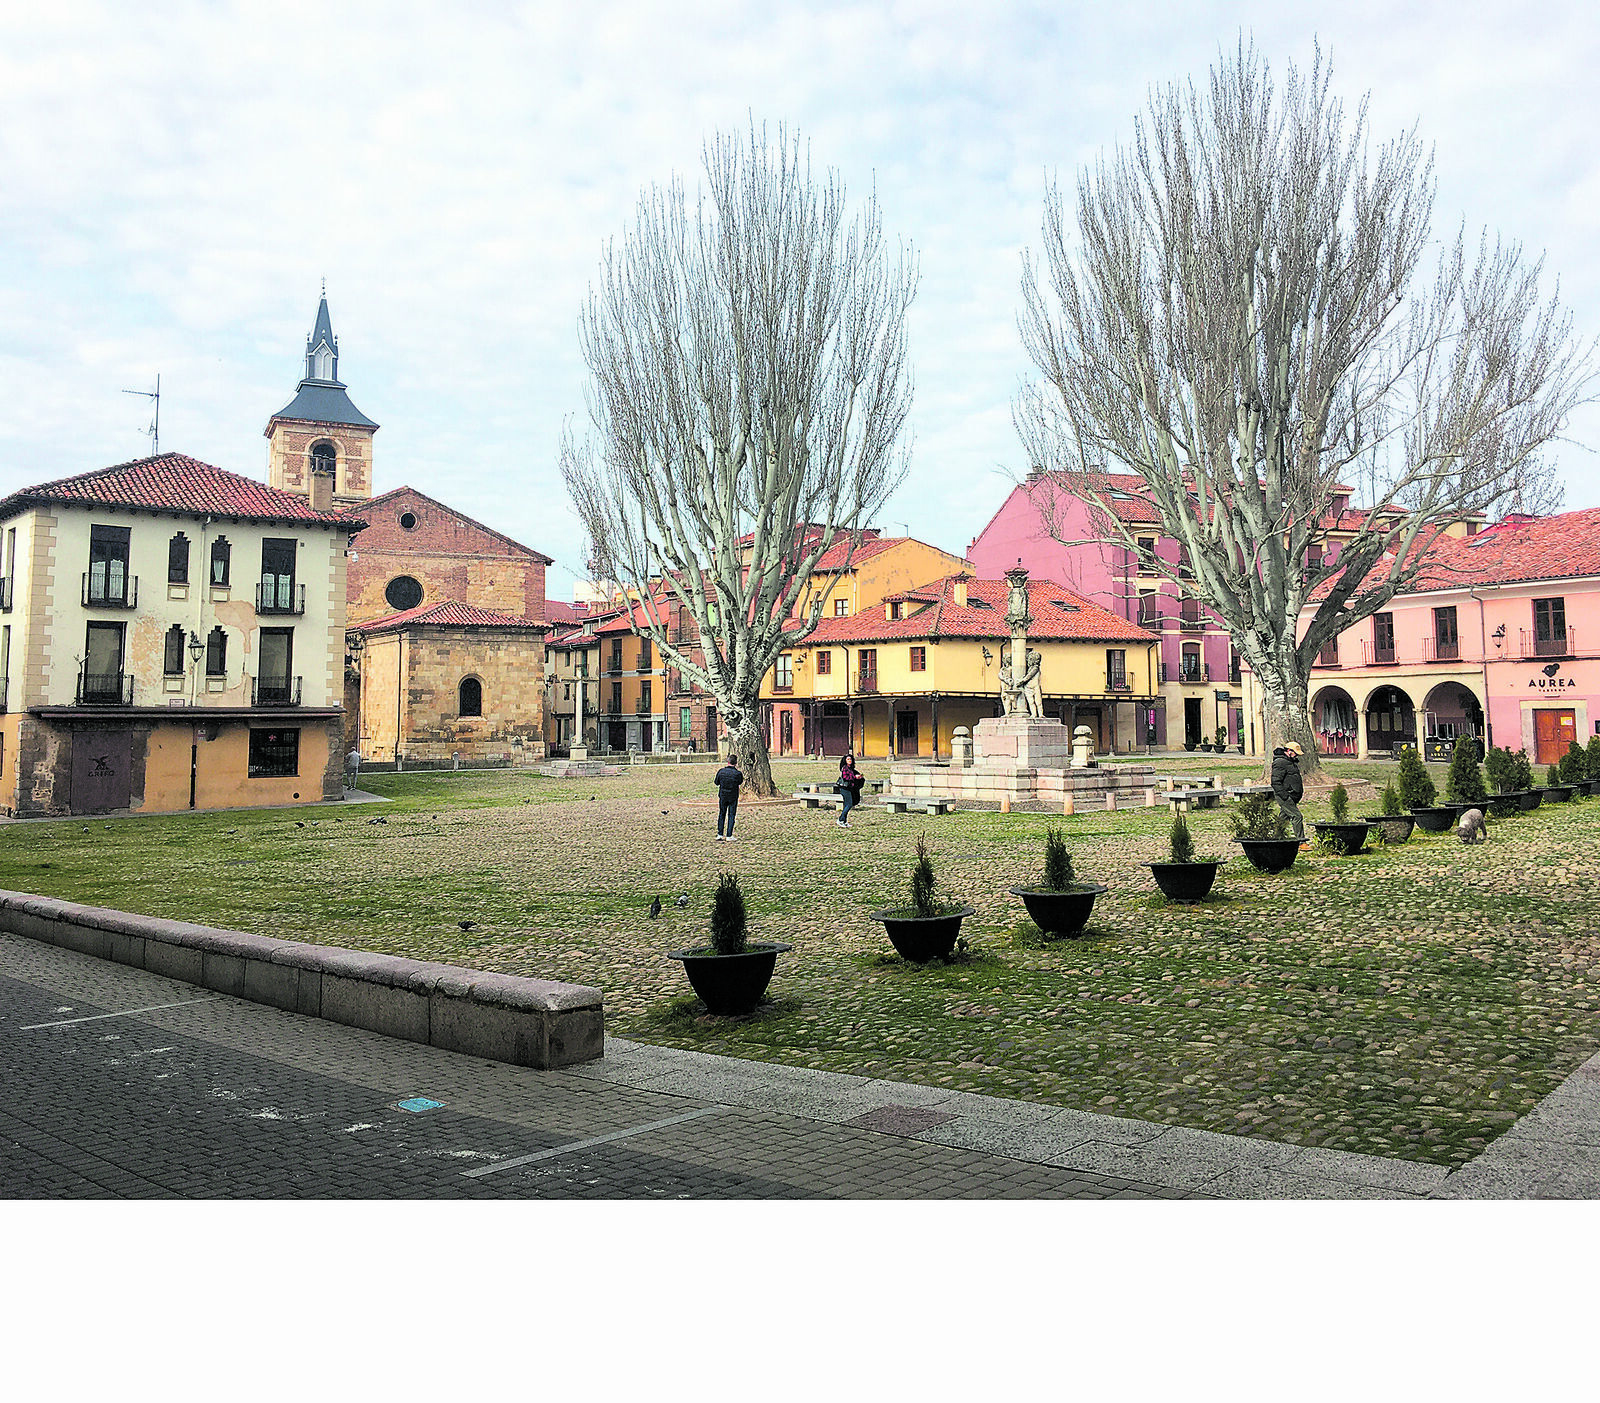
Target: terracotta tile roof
pixel 1059 615
pixel 1512 551
pixel 175 483
pixel 629 620
pixel 449 613
pixel 558 611
pixel 1127 497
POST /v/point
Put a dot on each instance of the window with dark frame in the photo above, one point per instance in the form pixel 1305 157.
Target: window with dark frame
pixel 867 669
pixel 108 564
pixel 1116 669
pixel 685 723
pixel 1329 656
pixel 277 572
pixel 1550 625
pixel 824 661
pixel 1446 641
pixel 783 673
pixel 217 653
pixel 469 700
pixel 102 662
pixel 172 651
pixel 841 608
pixel 644 698
pixel 616 697
pixel 274 754
pixel 1189 667
pixel 178 560
pixel 274 665
pixel 221 560
pixel 919 659
pixel 1383 638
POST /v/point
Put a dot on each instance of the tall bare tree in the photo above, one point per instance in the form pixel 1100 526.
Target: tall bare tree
pixel 749 383
pixel 1250 314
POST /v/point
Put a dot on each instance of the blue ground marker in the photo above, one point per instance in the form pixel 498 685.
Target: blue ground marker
pixel 418 1104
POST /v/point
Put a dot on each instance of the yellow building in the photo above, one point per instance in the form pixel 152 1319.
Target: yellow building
pixel 897 678
pixel 572 685
pixel 845 581
pixel 171 637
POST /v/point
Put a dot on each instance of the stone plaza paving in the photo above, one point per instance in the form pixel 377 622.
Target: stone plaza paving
pixel 139 1087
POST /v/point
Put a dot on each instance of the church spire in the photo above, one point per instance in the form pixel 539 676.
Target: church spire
pixel 322 347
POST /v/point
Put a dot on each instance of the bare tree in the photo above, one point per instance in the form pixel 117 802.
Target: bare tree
pixel 749 392
pixel 1250 316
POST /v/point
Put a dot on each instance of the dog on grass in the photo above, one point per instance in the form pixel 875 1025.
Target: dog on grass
pixel 1472 828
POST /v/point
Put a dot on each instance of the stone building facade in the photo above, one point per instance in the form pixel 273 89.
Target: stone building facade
pixel 448 680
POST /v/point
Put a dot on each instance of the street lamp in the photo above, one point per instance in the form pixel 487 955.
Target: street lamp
pixel 196 647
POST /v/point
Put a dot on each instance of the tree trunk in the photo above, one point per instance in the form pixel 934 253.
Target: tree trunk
pixel 1287 716
pixel 749 743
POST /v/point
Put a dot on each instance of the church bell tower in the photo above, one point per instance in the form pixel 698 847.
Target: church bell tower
pixel 319 445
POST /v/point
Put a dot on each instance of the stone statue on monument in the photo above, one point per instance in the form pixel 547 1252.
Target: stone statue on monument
pixel 1020 665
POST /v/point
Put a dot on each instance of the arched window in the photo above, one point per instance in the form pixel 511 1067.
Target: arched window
pixel 324 455
pixel 322 363
pixel 216 653
pixel 221 556
pixel 178 560
pixel 403 593
pixel 471 697
pixel 172 662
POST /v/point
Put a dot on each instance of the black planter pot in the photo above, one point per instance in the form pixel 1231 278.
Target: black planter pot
pixel 1396 828
pixel 731 983
pixel 923 938
pixel 1557 793
pixel 1059 912
pixel 1185 881
pixel 1504 805
pixel 1435 820
pixel 1270 854
pixel 1531 798
pixel 1591 787
pixel 1348 838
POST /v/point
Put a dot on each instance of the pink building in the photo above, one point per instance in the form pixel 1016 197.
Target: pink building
pixel 1500 639
pixel 1199 678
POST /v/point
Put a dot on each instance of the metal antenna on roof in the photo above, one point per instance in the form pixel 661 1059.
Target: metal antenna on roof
pixel 155 424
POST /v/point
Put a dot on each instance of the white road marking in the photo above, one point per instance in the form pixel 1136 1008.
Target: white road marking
pixel 585 1144
pixel 126 1013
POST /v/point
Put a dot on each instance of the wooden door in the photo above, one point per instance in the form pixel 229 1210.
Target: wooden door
pixel 905 733
pixel 102 771
pixel 1553 732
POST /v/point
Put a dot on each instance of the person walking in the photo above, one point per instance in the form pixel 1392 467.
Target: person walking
pixel 728 779
pixel 849 787
pixel 1287 786
pixel 352 767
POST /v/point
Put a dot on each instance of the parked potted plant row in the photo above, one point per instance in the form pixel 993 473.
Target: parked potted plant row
pixel 1261 828
pixel 1574 770
pixel 1183 876
pixel 1344 834
pixel 1061 904
pixel 1464 786
pixel 928 928
pixel 1394 824
pixel 730 975
pixel 1555 792
pixel 1500 770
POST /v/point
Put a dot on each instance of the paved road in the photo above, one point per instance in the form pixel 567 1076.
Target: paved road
pixel 127 1085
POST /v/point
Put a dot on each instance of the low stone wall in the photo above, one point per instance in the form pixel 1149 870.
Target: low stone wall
pixel 1088 785
pixel 499 1017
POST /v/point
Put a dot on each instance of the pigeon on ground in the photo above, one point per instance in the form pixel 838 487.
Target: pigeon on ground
pixel 377 820
pixel 683 899
pixel 466 925
pixel 655 908
pixel 298 824
pixel 663 813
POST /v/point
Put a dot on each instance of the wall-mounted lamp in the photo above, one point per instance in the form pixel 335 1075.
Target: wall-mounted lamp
pixel 196 647
pixel 1499 632
pixel 988 657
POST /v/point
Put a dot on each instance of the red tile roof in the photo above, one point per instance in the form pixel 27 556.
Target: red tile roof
pixel 558 611
pixel 1059 615
pixel 1515 550
pixel 175 483
pixel 449 613
pixel 1127 496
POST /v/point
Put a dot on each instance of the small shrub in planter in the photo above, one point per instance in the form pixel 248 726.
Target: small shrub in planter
pixel 1262 829
pixel 1061 905
pixel 1188 745
pixel 1465 784
pixel 731 974
pixel 929 927
pixel 1394 824
pixel 1417 789
pixel 1183 876
pixel 1222 739
pixel 1500 770
pixel 1342 835
pixel 1572 767
pixel 1591 757
pixel 1555 792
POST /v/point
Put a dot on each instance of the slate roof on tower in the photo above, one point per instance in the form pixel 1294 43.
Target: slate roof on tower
pixel 322 400
pixel 173 482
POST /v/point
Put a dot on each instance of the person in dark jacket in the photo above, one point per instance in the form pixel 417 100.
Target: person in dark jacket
pixel 1287 786
pixel 728 779
pixel 849 787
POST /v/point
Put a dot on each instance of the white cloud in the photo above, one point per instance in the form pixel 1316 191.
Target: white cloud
pixel 174 183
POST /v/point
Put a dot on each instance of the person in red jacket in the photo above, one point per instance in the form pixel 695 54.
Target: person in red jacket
pixel 849 787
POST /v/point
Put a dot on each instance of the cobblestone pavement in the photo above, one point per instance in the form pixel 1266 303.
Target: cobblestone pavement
pixel 125 1084
pixel 128 1085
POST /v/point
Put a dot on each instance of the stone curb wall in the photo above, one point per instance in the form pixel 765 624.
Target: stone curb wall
pixel 499 1017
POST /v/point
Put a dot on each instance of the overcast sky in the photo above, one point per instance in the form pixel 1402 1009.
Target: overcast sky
pixel 175 181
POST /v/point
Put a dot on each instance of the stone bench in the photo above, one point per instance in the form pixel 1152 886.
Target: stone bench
pixel 1181 799
pixel 816 798
pixel 905 803
pixel 1236 792
pixel 499 1017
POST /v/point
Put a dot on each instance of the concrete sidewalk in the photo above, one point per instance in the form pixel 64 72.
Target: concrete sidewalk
pixel 149 1087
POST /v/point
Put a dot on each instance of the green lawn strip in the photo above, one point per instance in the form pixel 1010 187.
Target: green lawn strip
pixel 1411 1001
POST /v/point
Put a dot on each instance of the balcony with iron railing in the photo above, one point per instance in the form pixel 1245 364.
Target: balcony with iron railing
pixel 1373 654
pixel 644 662
pixel 1149 615
pixel 1118 682
pixel 104 689
pixel 1441 650
pixel 103 593
pixel 275 691
pixel 1563 645
pixel 1329 656
pixel 613 666
pixel 1186 672
pixel 1190 619
pixel 280 596
pixel 867 684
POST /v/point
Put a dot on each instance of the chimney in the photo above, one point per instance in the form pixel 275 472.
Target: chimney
pixel 321 492
pixel 959 591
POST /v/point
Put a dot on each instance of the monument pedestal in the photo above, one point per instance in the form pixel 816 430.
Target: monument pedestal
pixel 1019 742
